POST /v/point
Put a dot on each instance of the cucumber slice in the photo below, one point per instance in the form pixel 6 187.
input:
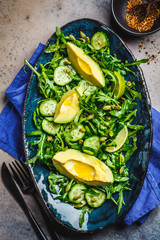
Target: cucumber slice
pixel 64 61
pixel 72 70
pixel 88 89
pixel 50 127
pixel 99 40
pixel 48 107
pixel 89 150
pixel 91 144
pixel 50 119
pixel 61 75
pixel 76 194
pixel 95 198
pixel 77 133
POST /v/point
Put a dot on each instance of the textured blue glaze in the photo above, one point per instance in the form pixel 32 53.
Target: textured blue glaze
pixel 105 215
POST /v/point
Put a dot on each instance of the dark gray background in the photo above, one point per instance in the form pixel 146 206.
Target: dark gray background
pixel 23 25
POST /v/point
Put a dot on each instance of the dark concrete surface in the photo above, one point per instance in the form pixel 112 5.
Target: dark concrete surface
pixel 23 24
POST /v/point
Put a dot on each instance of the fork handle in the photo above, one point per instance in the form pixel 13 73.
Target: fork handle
pixel 13 189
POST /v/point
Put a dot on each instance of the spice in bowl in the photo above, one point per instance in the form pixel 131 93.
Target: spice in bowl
pixel 148 21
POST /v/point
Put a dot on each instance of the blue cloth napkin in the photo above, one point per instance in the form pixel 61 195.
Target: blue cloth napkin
pixel 11 142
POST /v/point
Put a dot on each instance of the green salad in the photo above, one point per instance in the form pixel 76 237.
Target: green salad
pixel 85 120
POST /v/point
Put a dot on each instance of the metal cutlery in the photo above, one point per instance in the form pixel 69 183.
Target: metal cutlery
pixel 22 176
pixel 13 189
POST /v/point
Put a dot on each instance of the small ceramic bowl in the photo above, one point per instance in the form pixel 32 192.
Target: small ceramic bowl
pixel 119 15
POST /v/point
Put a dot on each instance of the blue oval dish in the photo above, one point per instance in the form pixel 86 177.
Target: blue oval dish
pixel 105 215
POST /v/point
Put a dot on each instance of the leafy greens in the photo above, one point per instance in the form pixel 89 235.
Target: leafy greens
pixel 102 123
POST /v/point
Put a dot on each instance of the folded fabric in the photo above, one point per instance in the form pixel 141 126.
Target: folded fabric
pixel 149 197
pixel 11 116
pixel 11 142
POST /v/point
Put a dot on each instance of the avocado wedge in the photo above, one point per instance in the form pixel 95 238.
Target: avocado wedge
pixel 83 167
pixel 68 106
pixel 85 65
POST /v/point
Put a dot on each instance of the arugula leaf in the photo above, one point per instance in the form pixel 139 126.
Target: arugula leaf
pixel 134 93
pixel 102 97
pixel 135 62
pixel 82 215
pixel 127 105
pixel 58 32
pixel 102 123
pixel 120 201
pixel 52 48
pixel 131 150
pixel 92 192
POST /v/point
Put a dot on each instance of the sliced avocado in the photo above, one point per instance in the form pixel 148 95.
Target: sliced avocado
pixel 68 107
pixel 85 65
pixel 82 167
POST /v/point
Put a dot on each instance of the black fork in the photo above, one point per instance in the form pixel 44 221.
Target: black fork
pixel 22 176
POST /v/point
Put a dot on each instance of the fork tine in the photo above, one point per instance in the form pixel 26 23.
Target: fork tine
pixel 16 176
pixel 20 174
pixel 23 168
pixel 23 177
